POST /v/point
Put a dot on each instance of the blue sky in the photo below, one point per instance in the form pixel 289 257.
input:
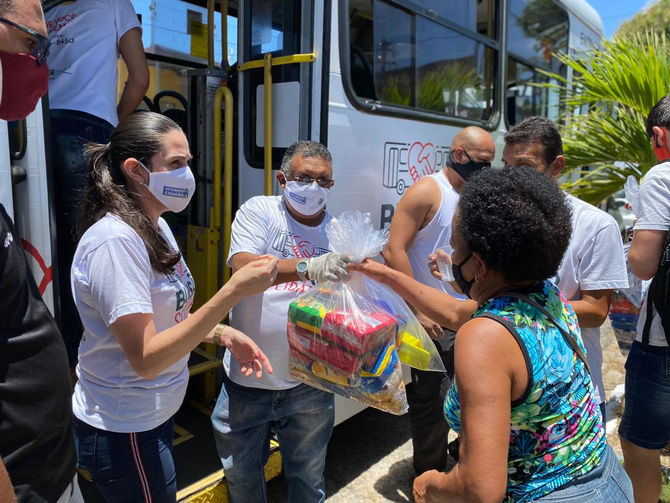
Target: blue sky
pixel 614 12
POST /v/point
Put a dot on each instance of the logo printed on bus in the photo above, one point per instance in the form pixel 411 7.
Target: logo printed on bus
pixel 422 160
pixel 407 163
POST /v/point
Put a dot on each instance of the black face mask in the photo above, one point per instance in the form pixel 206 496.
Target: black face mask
pixel 462 283
pixel 469 168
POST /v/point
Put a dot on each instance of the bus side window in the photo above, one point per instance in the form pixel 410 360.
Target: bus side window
pixel 361 51
pixel 429 56
pixel 537 29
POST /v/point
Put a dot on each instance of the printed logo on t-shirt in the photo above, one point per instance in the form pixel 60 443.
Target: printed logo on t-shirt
pixel 185 292
pixel 55 25
pixel 8 239
pixel 289 244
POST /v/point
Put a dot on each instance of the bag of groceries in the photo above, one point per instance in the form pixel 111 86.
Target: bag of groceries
pixel 351 337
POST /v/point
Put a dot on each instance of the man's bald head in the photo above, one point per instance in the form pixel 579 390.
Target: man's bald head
pixel 475 140
pixel 471 150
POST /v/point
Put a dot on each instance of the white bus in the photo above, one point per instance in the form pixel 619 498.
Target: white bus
pixel 385 84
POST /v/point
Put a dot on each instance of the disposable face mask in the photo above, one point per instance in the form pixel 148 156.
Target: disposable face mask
pixel 23 84
pixel 172 188
pixel 306 198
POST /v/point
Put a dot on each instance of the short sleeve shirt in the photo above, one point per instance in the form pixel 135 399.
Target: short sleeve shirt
pixel 85 39
pixel 264 226
pixel 594 260
pixel 654 215
pixel 36 443
pixel 112 277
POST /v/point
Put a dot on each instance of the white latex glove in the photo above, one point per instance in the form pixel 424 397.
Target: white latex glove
pixel 331 266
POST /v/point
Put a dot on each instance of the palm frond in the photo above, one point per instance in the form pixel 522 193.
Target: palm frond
pixel 612 90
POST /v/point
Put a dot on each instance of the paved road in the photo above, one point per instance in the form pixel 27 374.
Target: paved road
pixel 369 460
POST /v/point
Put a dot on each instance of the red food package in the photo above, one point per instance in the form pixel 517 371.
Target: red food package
pixel 360 332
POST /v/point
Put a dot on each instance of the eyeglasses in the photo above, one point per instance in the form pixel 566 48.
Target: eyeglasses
pixel 321 181
pixel 42 46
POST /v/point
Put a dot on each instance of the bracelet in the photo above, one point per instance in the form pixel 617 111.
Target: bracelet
pixel 218 330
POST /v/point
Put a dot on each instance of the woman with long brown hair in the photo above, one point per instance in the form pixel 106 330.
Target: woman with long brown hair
pixel 133 291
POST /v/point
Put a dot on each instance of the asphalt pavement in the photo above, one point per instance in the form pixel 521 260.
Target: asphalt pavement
pixel 369 460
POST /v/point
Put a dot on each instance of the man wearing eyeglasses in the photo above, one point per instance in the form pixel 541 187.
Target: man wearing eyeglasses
pixel 248 411
pixel 421 223
pixel 37 458
pixel 86 39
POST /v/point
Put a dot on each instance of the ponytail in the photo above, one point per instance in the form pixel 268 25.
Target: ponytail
pixel 108 192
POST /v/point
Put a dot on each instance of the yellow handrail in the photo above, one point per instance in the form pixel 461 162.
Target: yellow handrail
pixel 267 63
pixel 309 57
pixel 267 149
pixel 223 93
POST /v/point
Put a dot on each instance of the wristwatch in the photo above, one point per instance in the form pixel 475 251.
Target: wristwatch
pixel 216 336
pixel 301 269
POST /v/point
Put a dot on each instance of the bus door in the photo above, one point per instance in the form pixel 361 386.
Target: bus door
pixel 282 57
pixel 25 191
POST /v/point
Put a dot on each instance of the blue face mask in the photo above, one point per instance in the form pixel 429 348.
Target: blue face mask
pixel 463 285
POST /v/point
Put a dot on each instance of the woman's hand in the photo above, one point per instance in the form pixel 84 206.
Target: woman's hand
pixel 424 489
pixel 256 276
pixel 246 352
pixel 373 269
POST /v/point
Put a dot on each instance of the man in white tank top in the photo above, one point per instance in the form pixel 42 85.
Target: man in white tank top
pixel 421 223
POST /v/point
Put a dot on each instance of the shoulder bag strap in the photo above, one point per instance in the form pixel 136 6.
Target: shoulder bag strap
pixel 650 314
pixel 569 338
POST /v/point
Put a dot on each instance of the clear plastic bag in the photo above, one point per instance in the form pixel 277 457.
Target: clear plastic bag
pixel 637 288
pixel 350 337
pixel 632 191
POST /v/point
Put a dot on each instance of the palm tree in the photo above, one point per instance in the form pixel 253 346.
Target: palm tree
pixel 613 89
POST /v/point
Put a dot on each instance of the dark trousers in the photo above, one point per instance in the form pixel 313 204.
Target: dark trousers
pixel 70 131
pixel 426 410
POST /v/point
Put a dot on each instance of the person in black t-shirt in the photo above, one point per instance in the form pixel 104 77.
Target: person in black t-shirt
pixel 37 458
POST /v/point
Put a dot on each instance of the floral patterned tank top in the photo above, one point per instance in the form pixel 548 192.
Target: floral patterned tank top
pixel 556 433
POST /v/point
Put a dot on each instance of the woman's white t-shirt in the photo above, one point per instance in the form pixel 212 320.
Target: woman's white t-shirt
pixel 112 277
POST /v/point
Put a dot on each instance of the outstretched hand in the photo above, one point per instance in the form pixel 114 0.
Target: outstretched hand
pixel 372 268
pixel 330 267
pixel 246 352
pixel 256 276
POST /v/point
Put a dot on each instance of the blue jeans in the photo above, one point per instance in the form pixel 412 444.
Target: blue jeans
pixel 244 420
pixel 646 415
pixel 70 131
pixel 128 467
pixel 606 483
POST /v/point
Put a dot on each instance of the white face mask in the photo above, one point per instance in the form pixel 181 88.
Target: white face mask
pixel 306 198
pixel 172 188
